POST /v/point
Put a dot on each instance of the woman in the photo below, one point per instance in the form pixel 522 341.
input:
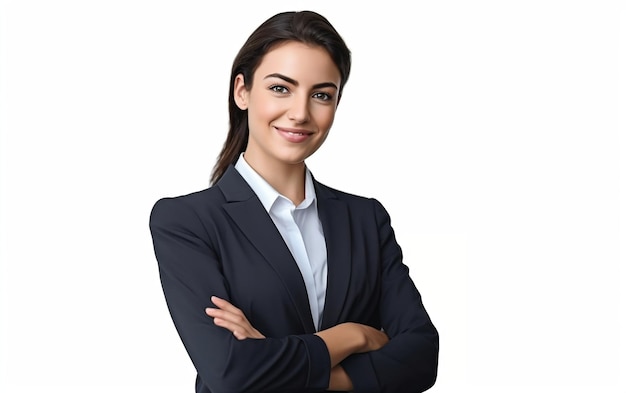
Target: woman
pixel 274 281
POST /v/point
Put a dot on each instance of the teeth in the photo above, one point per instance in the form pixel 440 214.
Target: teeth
pixel 296 133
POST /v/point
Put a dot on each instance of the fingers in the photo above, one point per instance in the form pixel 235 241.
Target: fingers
pixel 226 312
pixel 224 305
pixel 234 323
pixel 226 318
pixel 231 318
pixel 240 329
pixel 374 338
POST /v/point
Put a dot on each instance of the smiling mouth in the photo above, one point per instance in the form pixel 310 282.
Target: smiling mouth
pixel 294 132
pixel 294 135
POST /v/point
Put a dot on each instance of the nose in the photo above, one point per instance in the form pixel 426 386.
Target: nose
pixel 299 110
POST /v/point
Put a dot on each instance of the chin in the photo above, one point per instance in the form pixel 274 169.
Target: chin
pixel 293 159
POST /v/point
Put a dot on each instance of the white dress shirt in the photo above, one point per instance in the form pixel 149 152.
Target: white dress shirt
pixel 301 230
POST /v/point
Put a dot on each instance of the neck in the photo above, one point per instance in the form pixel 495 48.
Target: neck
pixel 287 179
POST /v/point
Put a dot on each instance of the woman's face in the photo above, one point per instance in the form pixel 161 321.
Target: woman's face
pixel 291 104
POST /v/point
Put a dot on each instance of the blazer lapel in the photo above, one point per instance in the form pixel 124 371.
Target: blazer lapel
pixel 245 208
pixel 334 216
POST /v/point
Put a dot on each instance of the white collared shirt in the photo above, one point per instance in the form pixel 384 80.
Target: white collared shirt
pixel 301 230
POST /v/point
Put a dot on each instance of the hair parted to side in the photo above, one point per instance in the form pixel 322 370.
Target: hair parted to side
pixel 301 26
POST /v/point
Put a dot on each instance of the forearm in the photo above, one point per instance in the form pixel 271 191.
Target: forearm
pixel 339 380
pixel 342 341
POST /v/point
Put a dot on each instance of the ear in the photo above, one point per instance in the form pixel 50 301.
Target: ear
pixel 240 92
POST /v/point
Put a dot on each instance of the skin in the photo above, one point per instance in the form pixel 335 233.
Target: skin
pixel 291 107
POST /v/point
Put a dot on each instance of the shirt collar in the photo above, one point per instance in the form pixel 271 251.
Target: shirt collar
pixel 266 193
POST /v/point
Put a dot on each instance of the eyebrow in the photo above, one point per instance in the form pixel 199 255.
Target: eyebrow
pixel 295 82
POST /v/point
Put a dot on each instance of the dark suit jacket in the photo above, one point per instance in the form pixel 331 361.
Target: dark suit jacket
pixel 221 241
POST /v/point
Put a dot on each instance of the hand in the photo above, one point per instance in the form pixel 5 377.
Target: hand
pixel 374 338
pixel 350 337
pixel 231 318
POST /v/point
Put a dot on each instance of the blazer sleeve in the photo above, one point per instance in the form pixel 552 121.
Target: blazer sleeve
pixel 408 363
pixel 190 273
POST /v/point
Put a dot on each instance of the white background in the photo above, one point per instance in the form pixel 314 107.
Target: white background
pixel 490 130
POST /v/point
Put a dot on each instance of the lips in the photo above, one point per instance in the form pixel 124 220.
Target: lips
pixel 294 135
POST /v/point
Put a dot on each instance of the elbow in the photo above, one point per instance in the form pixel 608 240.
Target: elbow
pixel 424 379
pixel 429 380
pixel 429 371
pixel 425 370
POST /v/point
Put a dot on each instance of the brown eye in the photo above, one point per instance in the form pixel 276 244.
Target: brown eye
pixel 279 89
pixel 323 96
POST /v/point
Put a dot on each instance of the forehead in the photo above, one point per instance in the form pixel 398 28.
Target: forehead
pixel 299 61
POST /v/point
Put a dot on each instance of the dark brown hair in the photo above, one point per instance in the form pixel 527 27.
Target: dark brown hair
pixel 303 26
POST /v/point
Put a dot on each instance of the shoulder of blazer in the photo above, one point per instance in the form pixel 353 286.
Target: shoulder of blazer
pixel 208 196
pixel 229 188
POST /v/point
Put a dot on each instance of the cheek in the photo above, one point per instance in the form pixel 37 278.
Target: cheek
pixel 264 109
pixel 325 117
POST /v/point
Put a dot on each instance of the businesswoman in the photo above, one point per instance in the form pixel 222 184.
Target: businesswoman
pixel 274 281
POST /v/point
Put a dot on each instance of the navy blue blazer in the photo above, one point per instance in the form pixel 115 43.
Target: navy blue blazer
pixel 221 241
